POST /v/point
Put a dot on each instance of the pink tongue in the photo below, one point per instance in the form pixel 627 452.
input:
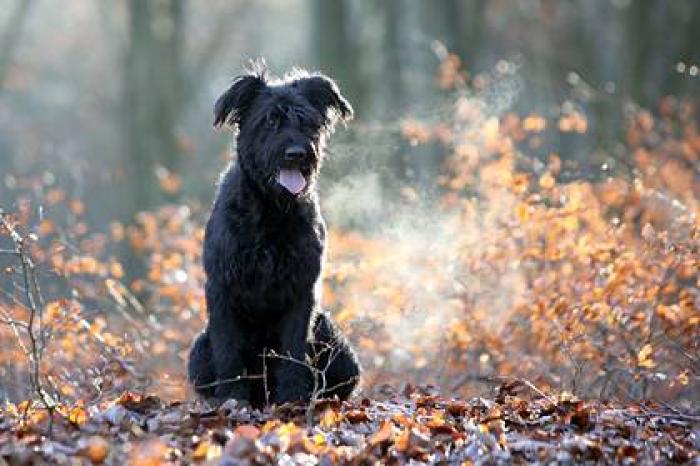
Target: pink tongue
pixel 292 180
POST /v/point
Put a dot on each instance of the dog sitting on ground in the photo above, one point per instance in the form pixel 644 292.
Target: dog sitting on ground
pixel 266 339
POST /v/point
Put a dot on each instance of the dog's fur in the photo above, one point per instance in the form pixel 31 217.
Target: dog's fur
pixel 264 248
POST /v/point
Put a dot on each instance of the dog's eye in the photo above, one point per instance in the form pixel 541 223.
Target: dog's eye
pixel 273 121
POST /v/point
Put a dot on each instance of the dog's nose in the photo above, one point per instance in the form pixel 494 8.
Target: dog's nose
pixel 295 152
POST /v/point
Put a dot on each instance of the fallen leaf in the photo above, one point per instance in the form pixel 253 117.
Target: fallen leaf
pixel 384 433
pixel 94 448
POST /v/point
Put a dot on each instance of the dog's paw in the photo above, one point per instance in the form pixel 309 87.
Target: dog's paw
pixel 229 405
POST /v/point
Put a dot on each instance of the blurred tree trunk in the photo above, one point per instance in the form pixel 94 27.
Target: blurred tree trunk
pixel 152 85
pixel 421 89
pixel 392 69
pixel 335 48
pixel 638 41
pixel 393 46
pixel 11 35
pixel 464 25
pixel 677 48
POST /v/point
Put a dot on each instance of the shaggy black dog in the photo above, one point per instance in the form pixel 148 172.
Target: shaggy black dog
pixel 264 249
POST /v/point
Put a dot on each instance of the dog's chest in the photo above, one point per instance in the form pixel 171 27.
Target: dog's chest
pixel 289 252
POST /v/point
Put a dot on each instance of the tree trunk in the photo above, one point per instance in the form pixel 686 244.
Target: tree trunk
pixel 151 97
pixel 336 51
pixel 10 36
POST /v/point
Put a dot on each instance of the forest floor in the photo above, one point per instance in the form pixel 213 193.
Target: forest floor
pixel 519 424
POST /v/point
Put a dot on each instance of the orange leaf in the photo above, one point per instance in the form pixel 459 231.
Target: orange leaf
pixel 78 415
pixel 247 431
pixel 95 449
pixel 644 357
pixel 201 451
pixel 329 418
pixel 356 415
pixel 547 181
pixel 383 434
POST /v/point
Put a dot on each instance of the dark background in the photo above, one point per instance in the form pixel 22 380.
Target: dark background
pixel 112 99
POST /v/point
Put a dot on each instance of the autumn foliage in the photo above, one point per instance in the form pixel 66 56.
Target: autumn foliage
pixel 520 269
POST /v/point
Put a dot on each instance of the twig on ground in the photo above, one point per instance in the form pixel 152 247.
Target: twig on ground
pixel 498 379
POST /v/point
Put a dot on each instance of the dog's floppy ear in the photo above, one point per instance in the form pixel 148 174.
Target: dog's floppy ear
pixel 322 92
pixel 233 103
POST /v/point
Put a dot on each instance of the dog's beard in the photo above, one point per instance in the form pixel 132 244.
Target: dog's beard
pixel 292 180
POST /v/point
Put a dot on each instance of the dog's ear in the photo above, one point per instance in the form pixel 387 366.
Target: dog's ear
pixel 322 92
pixel 232 105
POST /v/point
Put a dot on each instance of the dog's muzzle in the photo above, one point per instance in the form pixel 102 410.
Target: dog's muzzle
pixel 290 176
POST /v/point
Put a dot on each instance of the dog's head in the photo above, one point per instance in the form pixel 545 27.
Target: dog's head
pixel 282 125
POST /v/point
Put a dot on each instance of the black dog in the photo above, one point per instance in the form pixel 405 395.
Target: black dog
pixel 264 248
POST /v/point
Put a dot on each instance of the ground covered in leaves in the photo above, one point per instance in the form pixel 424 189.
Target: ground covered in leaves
pixel 416 424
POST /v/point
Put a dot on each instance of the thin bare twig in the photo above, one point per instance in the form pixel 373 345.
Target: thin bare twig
pixel 18 323
pixel 500 379
pixel 238 378
pixel 674 414
pixel 320 382
pixel 344 383
pixel 34 326
pixel 265 388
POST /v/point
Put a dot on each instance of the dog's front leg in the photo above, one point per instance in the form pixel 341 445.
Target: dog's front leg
pixel 293 377
pixel 228 342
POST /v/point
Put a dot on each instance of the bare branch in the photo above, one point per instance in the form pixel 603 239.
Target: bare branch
pixel 320 382
pixel 34 326
pixel 349 381
pixel 239 378
pixel 14 322
pixel 265 387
